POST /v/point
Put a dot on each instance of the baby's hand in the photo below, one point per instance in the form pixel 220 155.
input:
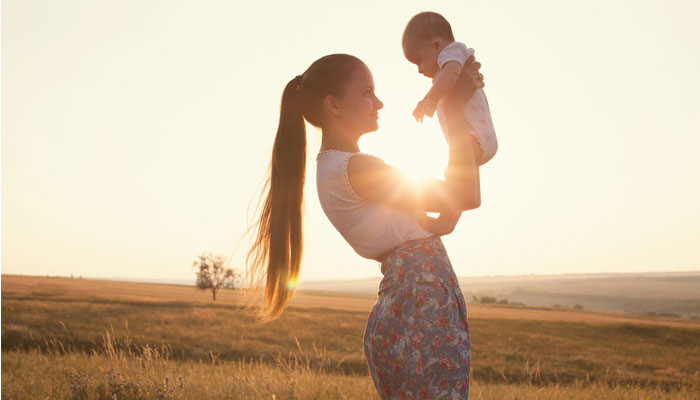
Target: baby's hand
pixel 418 112
pixel 429 107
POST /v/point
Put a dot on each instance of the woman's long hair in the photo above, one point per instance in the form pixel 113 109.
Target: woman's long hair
pixel 274 259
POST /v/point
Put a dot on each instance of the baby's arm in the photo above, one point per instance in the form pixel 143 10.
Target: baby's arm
pixel 445 80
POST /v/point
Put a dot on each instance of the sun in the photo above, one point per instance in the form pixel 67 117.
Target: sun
pixel 420 155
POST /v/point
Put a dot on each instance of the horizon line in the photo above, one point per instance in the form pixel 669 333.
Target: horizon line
pixel 180 281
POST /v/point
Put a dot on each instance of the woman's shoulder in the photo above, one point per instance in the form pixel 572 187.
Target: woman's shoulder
pixel 360 164
pixel 371 178
pixel 338 172
pixel 339 155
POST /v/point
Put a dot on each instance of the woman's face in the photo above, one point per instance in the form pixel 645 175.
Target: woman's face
pixel 359 106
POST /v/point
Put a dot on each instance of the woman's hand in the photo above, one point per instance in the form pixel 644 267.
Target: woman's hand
pixel 421 217
pixel 440 226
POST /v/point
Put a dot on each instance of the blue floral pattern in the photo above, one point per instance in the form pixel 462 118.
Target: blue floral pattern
pixel 417 342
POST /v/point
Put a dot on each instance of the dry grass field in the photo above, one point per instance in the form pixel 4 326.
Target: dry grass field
pixel 642 293
pixel 90 339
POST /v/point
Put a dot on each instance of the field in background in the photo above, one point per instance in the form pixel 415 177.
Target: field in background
pixel 95 337
pixel 662 293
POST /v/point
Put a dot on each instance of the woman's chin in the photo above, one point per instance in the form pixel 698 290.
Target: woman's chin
pixel 370 127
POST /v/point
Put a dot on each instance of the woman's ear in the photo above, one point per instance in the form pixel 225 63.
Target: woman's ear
pixel 331 105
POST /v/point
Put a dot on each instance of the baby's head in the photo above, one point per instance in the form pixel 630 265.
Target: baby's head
pixel 426 34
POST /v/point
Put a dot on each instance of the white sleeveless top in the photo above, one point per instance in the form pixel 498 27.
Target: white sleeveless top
pixel 370 227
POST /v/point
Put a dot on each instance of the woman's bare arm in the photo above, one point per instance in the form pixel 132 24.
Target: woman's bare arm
pixel 448 219
pixel 463 147
pixel 372 179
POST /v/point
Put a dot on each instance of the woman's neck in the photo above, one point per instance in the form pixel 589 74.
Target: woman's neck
pixel 330 141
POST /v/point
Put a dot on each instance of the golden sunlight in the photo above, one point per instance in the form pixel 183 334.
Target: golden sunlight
pixel 291 284
pixel 422 152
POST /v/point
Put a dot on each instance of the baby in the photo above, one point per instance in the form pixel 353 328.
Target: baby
pixel 428 42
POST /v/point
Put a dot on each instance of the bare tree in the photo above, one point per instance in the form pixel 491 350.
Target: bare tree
pixel 211 273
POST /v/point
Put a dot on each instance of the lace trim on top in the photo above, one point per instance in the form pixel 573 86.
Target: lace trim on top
pixel 354 195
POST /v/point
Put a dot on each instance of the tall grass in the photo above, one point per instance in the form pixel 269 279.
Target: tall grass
pixel 503 351
pixel 120 369
pixel 60 342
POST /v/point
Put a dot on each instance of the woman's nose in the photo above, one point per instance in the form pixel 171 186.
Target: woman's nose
pixel 378 103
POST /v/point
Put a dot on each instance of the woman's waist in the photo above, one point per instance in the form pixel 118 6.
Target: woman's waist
pixel 421 261
pixel 375 238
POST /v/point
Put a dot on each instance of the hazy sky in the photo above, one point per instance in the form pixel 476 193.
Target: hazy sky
pixel 135 133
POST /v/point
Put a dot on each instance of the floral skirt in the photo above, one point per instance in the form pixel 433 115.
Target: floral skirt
pixel 417 337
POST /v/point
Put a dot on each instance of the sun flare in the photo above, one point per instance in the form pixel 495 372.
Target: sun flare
pixel 291 284
pixel 421 154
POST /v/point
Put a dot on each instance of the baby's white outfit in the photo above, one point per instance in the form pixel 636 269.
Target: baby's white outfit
pixel 476 109
pixel 370 227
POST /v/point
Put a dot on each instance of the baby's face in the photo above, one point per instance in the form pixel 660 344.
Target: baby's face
pixel 423 53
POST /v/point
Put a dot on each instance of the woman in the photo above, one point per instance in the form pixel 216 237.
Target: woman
pixel 417 337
